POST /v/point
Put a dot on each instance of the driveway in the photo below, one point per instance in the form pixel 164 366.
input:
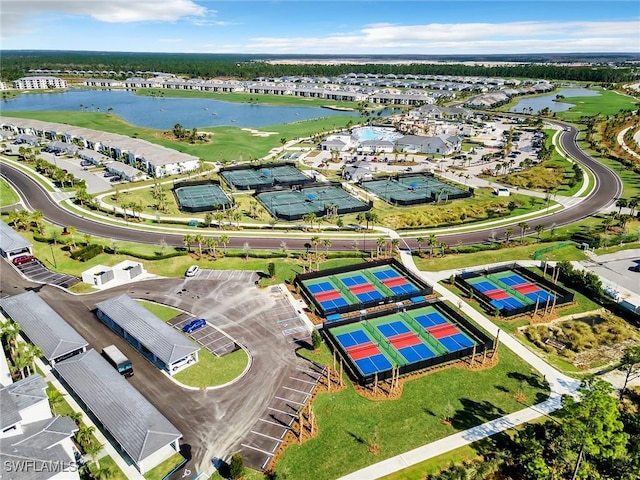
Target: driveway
pixel 96 183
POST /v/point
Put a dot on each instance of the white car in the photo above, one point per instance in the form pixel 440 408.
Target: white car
pixel 191 271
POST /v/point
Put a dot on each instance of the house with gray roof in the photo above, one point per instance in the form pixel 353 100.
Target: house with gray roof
pixel 43 326
pixel 142 432
pixel 125 171
pixel 440 144
pixel 376 146
pixel 162 345
pixel 12 243
pixel 33 445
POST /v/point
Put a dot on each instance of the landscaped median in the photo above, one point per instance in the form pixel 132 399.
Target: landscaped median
pixel 209 370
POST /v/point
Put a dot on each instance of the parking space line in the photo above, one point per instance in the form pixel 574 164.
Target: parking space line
pixel 289 400
pixel 274 423
pixel 292 330
pixel 288 319
pixel 294 390
pixel 267 436
pixel 257 449
pixel 305 381
pixel 280 411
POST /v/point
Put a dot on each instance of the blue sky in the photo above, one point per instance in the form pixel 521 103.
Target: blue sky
pixel 322 27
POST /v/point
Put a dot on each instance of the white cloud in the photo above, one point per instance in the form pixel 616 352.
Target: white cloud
pixel 464 38
pixel 17 15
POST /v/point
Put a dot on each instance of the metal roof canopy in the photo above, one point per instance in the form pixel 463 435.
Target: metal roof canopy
pixel 138 427
pixel 155 335
pixel 44 327
pixel 10 240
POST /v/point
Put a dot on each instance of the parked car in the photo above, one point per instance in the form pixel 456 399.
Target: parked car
pixel 22 259
pixel 85 163
pixel 191 271
pixel 194 325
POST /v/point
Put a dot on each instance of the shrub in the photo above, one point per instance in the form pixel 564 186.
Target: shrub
pixel 316 339
pixel 87 253
pixel 236 466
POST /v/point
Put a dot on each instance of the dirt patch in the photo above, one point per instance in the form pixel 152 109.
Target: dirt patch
pixel 258 133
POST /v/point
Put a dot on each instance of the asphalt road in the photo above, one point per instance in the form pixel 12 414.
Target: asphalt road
pixel 608 189
pixel 213 422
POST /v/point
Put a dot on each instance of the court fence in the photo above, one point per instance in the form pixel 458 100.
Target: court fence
pixel 483 344
pixel 563 295
pixel 423 289
pixel 329 208
pixel 200 208
pixel 282 182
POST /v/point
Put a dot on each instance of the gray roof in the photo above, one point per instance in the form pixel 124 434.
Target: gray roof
pixel 132 421
pixel 39 443
pixel 158 337
pixel 44 327
pixel 124 169
pixel 10 240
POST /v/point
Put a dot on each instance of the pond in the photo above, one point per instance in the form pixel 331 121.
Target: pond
pixel 163 113
pixel 548 101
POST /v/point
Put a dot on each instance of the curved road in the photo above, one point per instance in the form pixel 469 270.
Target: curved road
pixel 608 189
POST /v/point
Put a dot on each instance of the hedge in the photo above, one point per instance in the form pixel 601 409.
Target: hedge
pixel 87 253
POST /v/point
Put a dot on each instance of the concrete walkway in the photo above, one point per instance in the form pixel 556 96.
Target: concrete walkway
pixel 622 143
pixel 559 385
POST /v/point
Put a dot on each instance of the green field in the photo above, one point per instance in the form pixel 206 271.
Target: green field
pixel 8 195
pixel 607 103
pixel 228 143
pixel 525 252
pixel 348 423
pixel 163 312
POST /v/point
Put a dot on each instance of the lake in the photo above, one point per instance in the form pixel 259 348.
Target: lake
pixel 547 101
pixel 163 113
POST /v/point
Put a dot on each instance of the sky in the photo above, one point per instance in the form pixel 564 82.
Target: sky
pixel 356 27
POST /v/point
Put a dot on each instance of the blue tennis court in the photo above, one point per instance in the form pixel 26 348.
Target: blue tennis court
pixel 406 288
pixel 384 274
pixel 509 303
pixel 377 363
pixel 430 319
pixel 349 339
pixel 353 281
pixel 320 287
pixel 417 352
pixel 335 303
pixel 540 296
pixel 369 296
pixel 484 286
pixel 512 280
pixel 394 328
pixel 455 342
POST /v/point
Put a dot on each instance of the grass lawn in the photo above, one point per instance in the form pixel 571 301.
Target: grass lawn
pixel 118 474
pixel 211 371
pixel 166 467
pixel 607 103
pixel 228 143
pixel 8 196
pixel 163 312
pixel 617 248
pixel 348 423
pixel 526 252
pixel 433 465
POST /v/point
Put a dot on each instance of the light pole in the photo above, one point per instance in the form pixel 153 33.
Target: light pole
pixel 53 256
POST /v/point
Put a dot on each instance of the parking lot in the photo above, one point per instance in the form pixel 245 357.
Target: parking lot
pixel 616 269
pixel 208 337
pixel 267 434
pixel 230 275
pixel 37 272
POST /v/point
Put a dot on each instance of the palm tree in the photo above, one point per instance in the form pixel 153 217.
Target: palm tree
pixel 381 243
pixel 419 241
pixel 315 240
pixel 33 352
pixel 539 229
pixel 10 332
pixel 621 203
pixel 72 231
pixel 93 450
pixel 84 436
pixel 212 243
pixel 624 219
pixel 633 203
pixel 199 239
pixel 432 242
pixel 37 217
pixel 224 240
pixel 395 243
pixel 187 240
pixel 524 226
pixel 508 233
pixel 327 245
pixel 237 216
pixel 55 397
pixel 309 218
pixel 245 249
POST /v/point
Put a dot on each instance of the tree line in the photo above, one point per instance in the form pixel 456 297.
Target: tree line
pixel 16 64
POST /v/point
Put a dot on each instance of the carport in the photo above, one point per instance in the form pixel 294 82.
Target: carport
pixel 44 327
pixel 153 338
pixel 141 431
pixel 12 244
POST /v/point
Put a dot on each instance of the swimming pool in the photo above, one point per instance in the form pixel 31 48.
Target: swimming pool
pixel 362 134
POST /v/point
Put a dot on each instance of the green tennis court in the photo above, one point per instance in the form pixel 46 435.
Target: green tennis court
pixel 252 178
pixel 413 189
pixel 294 204
pixel 201 198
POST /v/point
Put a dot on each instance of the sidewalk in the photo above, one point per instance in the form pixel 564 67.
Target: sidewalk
pixel 559 385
